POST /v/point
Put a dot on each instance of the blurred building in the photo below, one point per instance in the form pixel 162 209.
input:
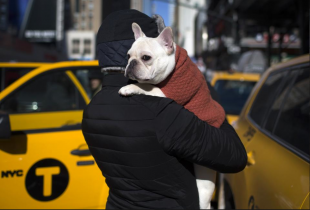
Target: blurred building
pixel 166 9
pixel 279 30
pixel 81 45
pixel 3 14
pixel 87 16
pixel 81 38
pixel 188 13
pixel 56 30
pixel 32 30
pixel 43 21
pixel 136 4
pixel 186 18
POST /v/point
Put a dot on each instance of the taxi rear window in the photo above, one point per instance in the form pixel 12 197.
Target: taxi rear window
pixel 10 75
pixel 233 94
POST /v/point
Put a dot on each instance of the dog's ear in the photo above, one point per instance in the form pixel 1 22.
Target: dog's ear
pixel 137 31
pixel 160 23
pixel 165 38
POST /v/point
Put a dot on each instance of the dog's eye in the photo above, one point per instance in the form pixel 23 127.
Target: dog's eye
pixel 128 56
pixel 146 57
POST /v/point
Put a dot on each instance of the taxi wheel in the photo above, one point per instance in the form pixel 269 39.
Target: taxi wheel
pixel 229 199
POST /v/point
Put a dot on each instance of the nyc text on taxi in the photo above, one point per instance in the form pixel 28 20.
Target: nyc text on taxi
pixel 274 128
pixel 44 160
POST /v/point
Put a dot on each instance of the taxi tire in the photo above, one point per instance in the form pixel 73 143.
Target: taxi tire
pixel 229 199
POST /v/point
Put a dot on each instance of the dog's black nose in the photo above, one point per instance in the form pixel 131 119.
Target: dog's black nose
pixel 130 68
pixel 127 72
pixel 132 64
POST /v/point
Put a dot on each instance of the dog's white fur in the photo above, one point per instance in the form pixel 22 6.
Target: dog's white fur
pixel 161 51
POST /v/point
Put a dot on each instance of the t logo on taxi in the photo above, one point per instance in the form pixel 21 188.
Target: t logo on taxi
pixel 47 179
pixel 47 173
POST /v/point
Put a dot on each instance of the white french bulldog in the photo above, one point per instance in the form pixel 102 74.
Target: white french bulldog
pixel 150 61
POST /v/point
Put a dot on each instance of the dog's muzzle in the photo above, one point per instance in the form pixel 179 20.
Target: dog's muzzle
pixel 131 68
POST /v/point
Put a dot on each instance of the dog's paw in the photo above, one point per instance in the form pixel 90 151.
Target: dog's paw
pixel 129 90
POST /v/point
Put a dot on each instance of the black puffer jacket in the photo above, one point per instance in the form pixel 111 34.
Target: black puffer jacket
pixel 145 147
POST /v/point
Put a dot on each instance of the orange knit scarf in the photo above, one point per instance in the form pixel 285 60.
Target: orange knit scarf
pixel 187 86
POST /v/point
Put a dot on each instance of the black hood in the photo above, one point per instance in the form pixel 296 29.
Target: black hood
pixel 115 36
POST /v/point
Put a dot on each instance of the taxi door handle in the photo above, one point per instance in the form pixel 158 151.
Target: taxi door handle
pixel 251 160
pixel 85 163
pixel 84 152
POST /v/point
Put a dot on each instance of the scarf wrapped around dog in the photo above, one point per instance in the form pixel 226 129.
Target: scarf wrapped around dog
pixel 187 86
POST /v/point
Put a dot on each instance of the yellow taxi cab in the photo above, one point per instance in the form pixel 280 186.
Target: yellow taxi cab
pixel 11 71
pixel 274 128
pixel 45 162
pixel 233 90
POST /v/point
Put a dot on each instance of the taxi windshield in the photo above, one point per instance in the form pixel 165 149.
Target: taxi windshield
pixel 233 94
pixel 8 75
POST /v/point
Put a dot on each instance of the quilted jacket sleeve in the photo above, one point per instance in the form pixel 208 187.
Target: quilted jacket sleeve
pixel 185 136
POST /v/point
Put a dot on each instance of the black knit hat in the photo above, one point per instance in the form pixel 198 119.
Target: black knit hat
pixel 115 36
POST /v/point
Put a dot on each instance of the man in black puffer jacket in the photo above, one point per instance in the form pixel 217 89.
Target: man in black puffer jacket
pixel 145 146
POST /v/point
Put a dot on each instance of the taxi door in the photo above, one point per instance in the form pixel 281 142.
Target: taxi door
pixel 277 143
pixel 46 162
pixel 305 204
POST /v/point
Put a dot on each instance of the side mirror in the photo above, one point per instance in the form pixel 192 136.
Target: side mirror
pixel 5 127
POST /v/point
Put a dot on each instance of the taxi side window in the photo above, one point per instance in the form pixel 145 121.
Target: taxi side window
pixel 275 108
pixel 91 79
pixel 10 75
pixel 265 97
pixel 294 120
pixel 48 92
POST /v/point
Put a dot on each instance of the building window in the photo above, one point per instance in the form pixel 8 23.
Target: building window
pixel 90 25
pixel 3 8
pixel 77 6
pixel 87 46
pixel 83 15
pixel 90 6
pixel 75 46
pixel 83 6
pixel 2 19
pixel 76 22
